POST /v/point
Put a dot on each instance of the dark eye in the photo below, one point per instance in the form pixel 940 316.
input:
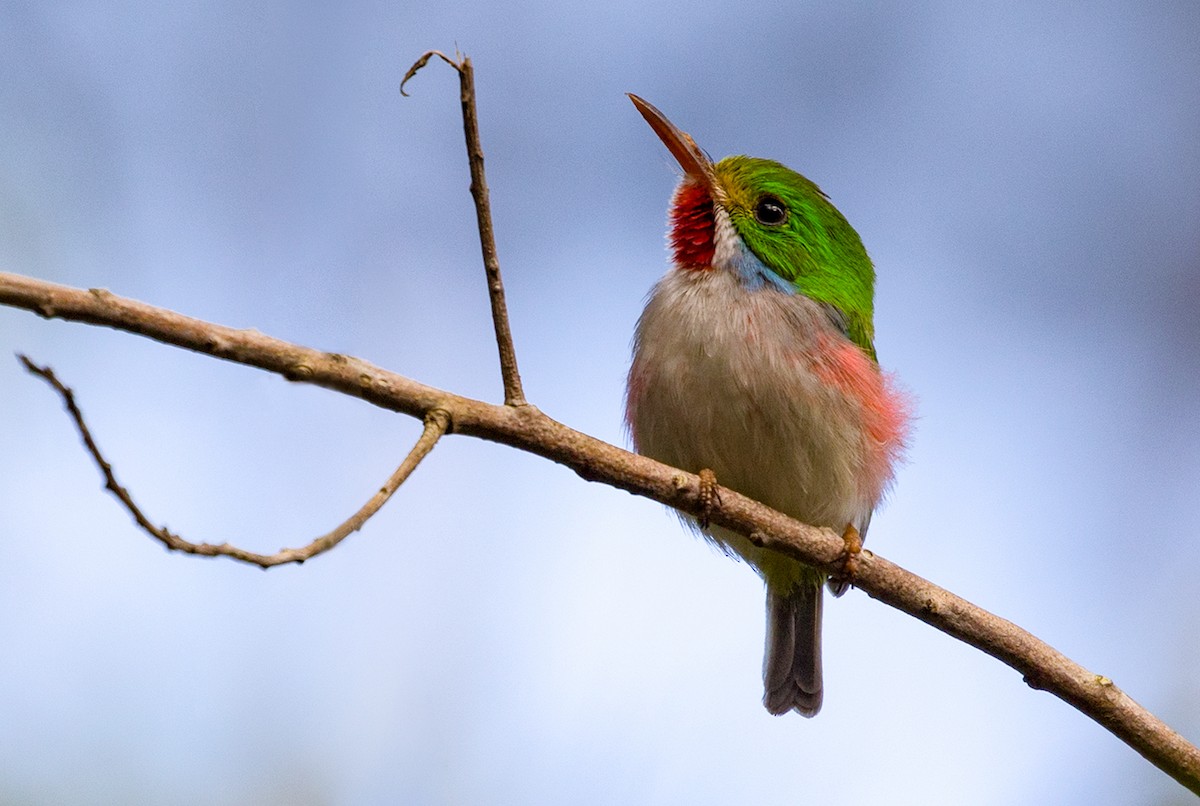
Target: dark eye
pixel 770 211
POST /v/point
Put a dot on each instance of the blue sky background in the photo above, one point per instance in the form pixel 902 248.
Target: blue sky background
pixel 1027 179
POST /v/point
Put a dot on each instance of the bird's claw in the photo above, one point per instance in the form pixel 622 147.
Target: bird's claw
pixel 841 581
pixel 709 497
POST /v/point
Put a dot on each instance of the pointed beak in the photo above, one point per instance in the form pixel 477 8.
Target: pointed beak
pixel 695 163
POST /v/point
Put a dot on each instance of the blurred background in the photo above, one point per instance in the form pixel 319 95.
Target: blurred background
pixel 1027 179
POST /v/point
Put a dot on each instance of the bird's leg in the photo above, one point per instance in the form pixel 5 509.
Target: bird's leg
pixel 842 580
pixel 709 497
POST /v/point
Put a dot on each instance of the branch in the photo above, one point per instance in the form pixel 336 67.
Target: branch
pixel 435 426
pixel 513 394
pixel 526 428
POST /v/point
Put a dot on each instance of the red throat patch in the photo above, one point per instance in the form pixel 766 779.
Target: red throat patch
pixel 692 227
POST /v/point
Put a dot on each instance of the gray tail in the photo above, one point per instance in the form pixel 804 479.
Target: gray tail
pixel 792 666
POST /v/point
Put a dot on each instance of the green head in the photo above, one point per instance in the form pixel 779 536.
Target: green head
pixel 782 221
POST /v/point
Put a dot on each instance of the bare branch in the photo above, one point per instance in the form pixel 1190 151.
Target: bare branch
pixel 513 393
pixel 436 423
pixel 528 429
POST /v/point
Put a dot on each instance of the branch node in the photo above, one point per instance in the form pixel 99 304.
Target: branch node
pixel 439 418
pixel 298 372
pixel 1035 680
pixel 216 345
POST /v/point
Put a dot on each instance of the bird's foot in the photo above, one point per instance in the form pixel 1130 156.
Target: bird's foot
pixel 709 497
pixel 841 581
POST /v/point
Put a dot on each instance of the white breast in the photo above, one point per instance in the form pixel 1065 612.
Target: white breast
pixel 723 378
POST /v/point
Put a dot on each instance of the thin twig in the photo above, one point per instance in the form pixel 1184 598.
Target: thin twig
pixel 436 423
pixel 513 393
pixel 528 429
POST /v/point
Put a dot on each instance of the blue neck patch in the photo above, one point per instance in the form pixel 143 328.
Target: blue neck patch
pixel 755 275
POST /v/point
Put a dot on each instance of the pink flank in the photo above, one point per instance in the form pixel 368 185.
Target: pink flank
pixel 887 411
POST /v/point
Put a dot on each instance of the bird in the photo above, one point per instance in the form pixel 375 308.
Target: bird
pixel 754 366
